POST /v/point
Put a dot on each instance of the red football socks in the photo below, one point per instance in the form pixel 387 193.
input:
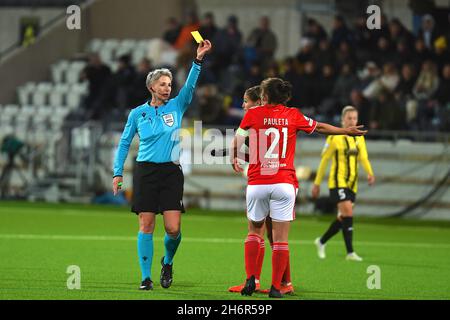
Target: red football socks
pixel 280 258
pixel 252 244
pixel 287 271
pixel 260 260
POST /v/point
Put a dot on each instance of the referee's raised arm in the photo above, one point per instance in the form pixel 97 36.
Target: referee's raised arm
pixel 184 97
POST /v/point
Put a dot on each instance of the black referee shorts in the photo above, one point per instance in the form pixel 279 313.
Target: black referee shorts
pixel 342 194
pixel 157 187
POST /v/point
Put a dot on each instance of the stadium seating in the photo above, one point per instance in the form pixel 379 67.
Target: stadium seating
pixel 111 49
pixel 38 118
pixel 42 107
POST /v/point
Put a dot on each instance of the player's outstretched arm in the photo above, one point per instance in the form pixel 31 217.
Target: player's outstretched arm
pixel 325 128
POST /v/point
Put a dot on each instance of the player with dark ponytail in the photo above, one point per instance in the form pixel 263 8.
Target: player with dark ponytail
pixel 272 182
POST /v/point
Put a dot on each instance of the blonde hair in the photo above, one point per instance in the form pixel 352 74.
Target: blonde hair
pixel 156 74
pixel 347 109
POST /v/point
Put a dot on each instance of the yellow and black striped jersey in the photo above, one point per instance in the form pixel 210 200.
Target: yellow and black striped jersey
pixel 345 151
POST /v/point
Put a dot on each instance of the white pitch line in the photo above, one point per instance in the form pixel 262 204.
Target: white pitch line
pixel 211 240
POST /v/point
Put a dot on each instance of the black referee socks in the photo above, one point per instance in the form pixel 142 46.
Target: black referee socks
pixel 347 231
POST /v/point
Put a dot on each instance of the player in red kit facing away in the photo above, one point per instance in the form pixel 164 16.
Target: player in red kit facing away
pixel 272 182
pixel 252 98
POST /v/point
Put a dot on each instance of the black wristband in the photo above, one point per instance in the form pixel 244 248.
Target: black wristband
pixel 197 61
pixel 117 176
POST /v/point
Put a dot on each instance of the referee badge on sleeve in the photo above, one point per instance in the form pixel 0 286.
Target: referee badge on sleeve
pixel 168 119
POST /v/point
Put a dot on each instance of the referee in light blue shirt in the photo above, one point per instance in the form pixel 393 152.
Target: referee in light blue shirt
pixel 158 179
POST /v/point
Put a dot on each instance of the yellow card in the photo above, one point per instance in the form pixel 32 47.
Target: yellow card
pixel 197 36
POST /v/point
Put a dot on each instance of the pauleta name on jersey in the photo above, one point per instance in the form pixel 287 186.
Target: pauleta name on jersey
pixel 276 122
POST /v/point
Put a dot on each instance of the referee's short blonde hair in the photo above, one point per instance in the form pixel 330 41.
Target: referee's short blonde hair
pixel 156 74
pixel 347 109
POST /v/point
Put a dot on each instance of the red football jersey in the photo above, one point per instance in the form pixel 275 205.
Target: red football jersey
pixel 273 132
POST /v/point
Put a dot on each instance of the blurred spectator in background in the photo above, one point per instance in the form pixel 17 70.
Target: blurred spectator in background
pixel 421 53
pixel 398 32
pixel 428 32
pixel 442 97
pixel 273 71
pixel 424 88
pixel 344 55
pixel 173 30
pixel 383 53
pixel 386 113
pixel 362 105
pixel 291 74
pixel 308 83
pixel 330 105
pixel 427 82
pixel 306 50
pixel 441 53
pixel 419 9
pixel 233 105
pixel 227 45
pixel 345 82
pixel 447 30
pixel 362 40
pixel 208 30
pixel 387 82
pixel 98 75
pixel 407 81
pixel 403 93
pixel 208 26
pixel 210 104
pixel 368 74
pixel 141 94
pixel 340 32
pixel 325 82
pixel 124 82
pixel 314 31
pixel 263 43
pixel 442 94
pixel 323 55
pixel 402 54
pixel 254 77
pixel 185 37
pixel 383 32
pixel 389 78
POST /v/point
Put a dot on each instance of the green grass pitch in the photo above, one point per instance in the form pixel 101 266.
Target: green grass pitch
pixel 39 241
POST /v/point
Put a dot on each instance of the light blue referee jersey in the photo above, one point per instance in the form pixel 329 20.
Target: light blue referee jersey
pixel 157 127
